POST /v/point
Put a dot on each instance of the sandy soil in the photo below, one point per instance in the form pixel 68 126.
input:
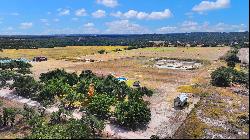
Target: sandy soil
pixel 244 55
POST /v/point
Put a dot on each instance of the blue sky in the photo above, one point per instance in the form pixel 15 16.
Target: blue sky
pixel 122 16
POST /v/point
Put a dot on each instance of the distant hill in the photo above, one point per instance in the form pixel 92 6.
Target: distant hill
pixel 208 39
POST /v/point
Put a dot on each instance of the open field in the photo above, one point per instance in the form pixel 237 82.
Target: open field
pixel 136 65
pixel 57 52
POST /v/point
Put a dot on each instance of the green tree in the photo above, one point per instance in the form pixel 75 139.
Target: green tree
pixel 69 78
pixel 231 64
pixel 132 114
pixel 26 86
pixel 8 117
pixel 53 88
pixel 221 77
pixel 76 129
pixel 231 56
pixel 100 105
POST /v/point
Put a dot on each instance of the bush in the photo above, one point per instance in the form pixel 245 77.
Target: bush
pixel 221 77
pixel 26 86
pixel 8 117
pixel 154 137
pixel 240 77
pixel 6 75
pixel 117 50
pixel 132 114
pixel 86 128
pixel 101 51
pixel 231 64
pixel 52 88
pixel 100 105
pixel 14 64
pixel 69 78
pixel 231 56
pixel 86 74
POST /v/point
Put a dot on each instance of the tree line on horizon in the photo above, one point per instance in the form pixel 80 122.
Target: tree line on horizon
pixel 205 39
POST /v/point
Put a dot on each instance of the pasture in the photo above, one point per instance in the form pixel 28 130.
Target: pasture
pixel 57 52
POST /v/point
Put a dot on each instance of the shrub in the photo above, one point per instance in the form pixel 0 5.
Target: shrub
pixel 6 75
pixel 100 105
pixel 154 137
pixel 101 51
pixel 132 114
pixel 8 117
pixel 231 64
pixel 221 77
pixel 117 50
pixel 52 88
pixel 69 78
pixel 86 74
pixel 26 86
pixel 240 77
pixel 231 56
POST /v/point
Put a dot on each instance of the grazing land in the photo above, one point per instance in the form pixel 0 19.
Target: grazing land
pixel 57 52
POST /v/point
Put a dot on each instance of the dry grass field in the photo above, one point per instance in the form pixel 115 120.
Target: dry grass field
pixel 57 52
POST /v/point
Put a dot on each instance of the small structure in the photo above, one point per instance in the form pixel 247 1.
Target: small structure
pixel 137 84
pixel 180 100
pixel 40 58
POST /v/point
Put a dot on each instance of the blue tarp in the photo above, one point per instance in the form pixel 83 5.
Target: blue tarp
pixel 122 79
pixel 9 60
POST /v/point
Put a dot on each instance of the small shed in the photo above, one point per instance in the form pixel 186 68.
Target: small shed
pixel 180 100
pixel 137 84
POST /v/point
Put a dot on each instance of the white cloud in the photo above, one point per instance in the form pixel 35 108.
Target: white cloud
pixel 56 20
pixel 81 12
pixel 108 3
pixel 189 24
pixel 124 27
pixel 192 26
pixel 99 14
pixel 167 29
pixel 75 19
pixel 44 20
pixel 89 28
pixel 89 25
pixel 9 28
pixel 160 15
pixel 143 15
pixel 14 14
pixel 63 12
pixel 210 5
pixel 26 25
